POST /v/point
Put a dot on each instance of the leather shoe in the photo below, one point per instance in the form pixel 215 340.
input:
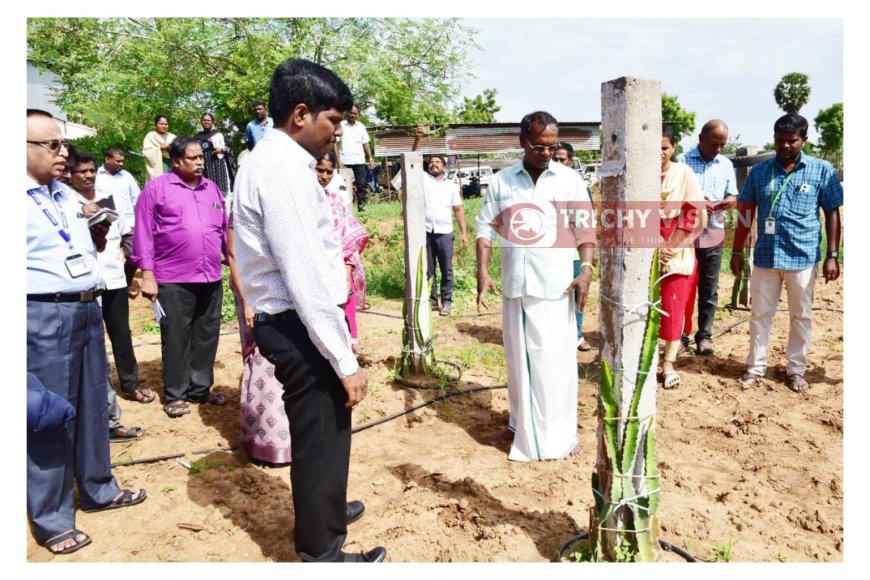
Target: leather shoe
pixel 376 555
pixel 355 510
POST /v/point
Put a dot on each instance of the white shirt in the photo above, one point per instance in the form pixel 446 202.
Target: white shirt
pixel 288 254
pixel 112 257
pixel 350 144
pixel 540 272
pixel 439 197
pixel 120 184
pixel 46 249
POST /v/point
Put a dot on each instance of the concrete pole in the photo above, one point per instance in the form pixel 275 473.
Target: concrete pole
pixel 631 120
pixel 416 354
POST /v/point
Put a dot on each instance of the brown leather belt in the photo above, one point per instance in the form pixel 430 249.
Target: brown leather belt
pixel 86 296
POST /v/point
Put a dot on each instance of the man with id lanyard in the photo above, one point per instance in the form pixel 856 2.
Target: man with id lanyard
pixel 787 192
pixel 66 350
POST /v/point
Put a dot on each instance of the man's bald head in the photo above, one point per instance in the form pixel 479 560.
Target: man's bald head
pixel 713 138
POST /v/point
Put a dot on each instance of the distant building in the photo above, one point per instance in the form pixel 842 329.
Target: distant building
pixel 41 88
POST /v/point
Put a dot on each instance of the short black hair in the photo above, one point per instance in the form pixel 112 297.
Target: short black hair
pixel 39 113
pixel 791 123
pixel 298 81
pixel 85 158
pixel 542 118
pixel 206 114
pixel 158 117
pixel 329 157
pixel 112 151
pixel 569 149
pixel 178 147
pixel 257 103
pixel 668 132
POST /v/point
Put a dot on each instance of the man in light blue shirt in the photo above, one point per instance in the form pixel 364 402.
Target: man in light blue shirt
pixel 255 130
pixel 65 350
pixel 719 185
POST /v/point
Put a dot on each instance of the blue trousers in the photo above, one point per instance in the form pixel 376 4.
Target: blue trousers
pixel 67 353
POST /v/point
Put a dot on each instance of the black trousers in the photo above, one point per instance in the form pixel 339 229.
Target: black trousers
pixel 709 262
pixel 359 178
pixel 189 337
pixel 116 315
pixel 439 247
pixel 320 431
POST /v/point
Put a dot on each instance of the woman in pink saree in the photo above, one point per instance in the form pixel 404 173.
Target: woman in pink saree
pixel 353 240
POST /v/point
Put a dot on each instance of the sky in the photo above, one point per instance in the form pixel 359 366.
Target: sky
pixel 717 68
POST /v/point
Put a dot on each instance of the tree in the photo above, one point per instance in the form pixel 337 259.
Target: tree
pixel 480 109
pixel 829 124
pixel 118 73
pixel 792 92
pixel 682 121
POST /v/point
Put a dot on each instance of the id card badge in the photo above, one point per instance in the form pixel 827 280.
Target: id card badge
pixel 770 226
pixel 77 265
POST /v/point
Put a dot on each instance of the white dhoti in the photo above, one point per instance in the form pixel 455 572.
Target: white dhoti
pixel 540 337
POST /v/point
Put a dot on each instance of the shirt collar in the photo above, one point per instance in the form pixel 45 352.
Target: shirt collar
pixel 54 187
pixel 174 178
pixel 696 152
pixel 284 141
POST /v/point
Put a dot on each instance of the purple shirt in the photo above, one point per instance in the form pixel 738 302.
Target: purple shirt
pixel 180 231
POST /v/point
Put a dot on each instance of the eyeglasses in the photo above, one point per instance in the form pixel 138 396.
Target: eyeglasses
pixel 541 149
pixel 53 145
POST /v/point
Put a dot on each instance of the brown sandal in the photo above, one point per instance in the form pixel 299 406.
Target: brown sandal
pixel 176 409
pixel 143 396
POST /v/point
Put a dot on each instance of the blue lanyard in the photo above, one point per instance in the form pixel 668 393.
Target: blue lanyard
pixel 61 229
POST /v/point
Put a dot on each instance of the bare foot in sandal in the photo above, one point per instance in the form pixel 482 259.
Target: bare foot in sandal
pixel 67 542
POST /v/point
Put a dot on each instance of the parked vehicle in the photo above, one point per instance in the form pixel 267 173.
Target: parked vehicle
pixel 484 175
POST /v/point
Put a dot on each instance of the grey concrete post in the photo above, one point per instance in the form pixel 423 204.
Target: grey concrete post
pixel 631 120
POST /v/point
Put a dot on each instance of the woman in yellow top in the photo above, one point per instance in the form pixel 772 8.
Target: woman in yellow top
pixel 155 148
pixel 683 218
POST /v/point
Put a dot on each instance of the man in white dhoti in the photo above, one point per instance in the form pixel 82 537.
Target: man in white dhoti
pixel 532 206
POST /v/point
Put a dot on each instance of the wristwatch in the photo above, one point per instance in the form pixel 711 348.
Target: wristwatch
pixel 832 255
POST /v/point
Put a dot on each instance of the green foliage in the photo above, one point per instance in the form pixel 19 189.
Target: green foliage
pixel 829 124
pixel 722 552
pixel 202 465
pixel 480 109
pixel 732 145
pixel 228 302
pixel 792 92
pixel 682 121
pixel 119 73
pixel 151 327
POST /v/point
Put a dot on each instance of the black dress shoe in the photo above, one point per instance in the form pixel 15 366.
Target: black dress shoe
pixel 355 510
pixel 376 555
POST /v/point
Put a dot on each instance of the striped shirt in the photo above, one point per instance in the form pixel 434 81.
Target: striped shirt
pixel 812 184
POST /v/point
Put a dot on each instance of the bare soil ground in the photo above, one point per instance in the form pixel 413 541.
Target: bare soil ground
pixel 754 476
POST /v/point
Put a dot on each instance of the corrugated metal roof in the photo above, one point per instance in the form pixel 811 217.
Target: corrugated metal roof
pixel 479 138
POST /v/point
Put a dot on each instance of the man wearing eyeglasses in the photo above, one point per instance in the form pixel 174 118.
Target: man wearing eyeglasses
pixel 540 292
pixel 65 351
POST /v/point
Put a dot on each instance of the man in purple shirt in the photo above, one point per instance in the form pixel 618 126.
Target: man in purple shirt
pixel 181 232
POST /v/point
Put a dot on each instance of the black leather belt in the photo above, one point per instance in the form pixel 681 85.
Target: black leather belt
pixel 286 315
pixel 86 296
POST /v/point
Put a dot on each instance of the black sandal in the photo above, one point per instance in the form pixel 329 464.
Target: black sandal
pixel 121 433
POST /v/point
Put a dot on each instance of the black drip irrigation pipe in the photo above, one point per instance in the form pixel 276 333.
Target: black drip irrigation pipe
pixel 440 397
pixel 666 546
pixel 173 456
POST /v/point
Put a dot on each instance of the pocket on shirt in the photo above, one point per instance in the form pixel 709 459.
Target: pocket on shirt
pixel 802 204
